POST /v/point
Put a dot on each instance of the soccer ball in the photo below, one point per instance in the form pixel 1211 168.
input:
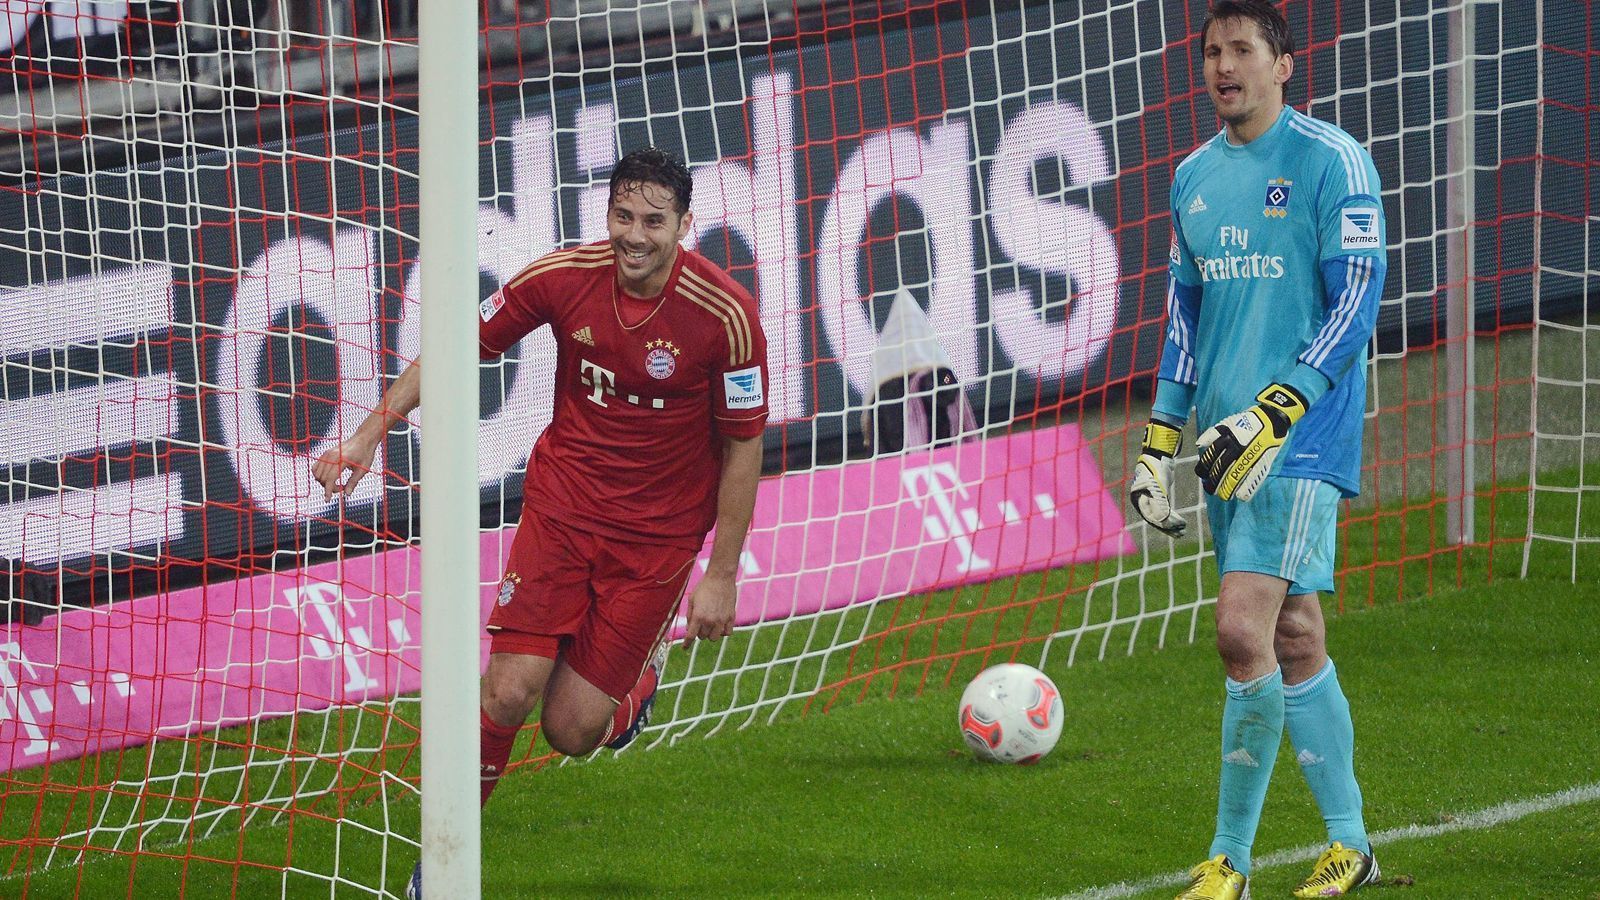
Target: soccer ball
pixel 1011 713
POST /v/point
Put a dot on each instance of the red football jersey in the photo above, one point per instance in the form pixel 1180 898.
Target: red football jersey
pixel 634 448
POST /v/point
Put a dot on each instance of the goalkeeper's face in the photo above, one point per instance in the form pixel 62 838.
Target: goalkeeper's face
pixel 645 226
pixel 1243 77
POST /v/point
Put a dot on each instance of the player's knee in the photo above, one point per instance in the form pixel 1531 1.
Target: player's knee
pixel 1297 639
pixel 1237 642
pixel 507 701
pixel 567 734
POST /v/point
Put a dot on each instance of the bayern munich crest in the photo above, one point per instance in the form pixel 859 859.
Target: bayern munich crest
pixel 508 586
pixel 660 359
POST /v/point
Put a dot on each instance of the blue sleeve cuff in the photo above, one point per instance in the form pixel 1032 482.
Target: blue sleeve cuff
pixel 1310 382
pixel 1173 402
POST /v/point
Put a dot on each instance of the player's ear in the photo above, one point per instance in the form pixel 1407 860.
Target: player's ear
pixel 1282 69
pixel 685 222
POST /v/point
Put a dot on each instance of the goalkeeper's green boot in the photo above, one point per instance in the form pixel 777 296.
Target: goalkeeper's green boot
pixel 1339 871
pixel 1216 879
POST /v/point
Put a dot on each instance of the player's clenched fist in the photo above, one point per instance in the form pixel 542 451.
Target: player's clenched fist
pixel 353 456
pixel 1237 453
pixel 1151 490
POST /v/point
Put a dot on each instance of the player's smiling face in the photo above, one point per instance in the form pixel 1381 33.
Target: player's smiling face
pixel 645 226
pixel 1244 78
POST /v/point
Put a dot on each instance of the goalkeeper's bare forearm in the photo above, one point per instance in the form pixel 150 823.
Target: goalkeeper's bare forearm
pixel 354 454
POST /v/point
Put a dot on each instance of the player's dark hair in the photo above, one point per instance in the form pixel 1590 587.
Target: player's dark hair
pixel 1268 18
pixel 656 166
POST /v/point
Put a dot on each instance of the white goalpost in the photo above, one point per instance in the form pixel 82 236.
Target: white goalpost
pixel 447 50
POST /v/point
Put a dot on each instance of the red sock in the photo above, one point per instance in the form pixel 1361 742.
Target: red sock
pixel 495 752
pixel 629 707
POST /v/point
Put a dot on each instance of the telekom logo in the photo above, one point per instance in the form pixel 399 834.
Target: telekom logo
pixel 947 513
pixel 26 701
pixel 325 614
pixel 14 706
pixel 599 379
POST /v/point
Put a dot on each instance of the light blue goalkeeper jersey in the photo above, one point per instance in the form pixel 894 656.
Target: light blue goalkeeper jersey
pixel 1275 270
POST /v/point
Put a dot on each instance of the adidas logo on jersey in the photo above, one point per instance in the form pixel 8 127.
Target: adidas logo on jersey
pixel 583 336
pixel 1198 206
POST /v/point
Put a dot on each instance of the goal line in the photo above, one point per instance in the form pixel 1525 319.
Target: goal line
pixel 1479 820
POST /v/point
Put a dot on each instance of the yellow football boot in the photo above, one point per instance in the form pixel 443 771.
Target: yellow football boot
pixel 1339 871
pixel 1216 879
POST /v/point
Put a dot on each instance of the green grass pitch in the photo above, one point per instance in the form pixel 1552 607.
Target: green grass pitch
pixel 1463 701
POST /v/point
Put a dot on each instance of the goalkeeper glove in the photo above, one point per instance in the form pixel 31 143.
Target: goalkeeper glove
pixel 1151 490
pixel 1237 453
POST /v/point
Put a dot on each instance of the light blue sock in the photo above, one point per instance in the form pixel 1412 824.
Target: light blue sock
pixel 1252 728
pixel 1318 718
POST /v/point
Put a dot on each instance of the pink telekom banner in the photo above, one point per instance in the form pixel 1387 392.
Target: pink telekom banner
pixel 338 633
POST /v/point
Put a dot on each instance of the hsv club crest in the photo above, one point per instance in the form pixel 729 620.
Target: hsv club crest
pixel 1276 205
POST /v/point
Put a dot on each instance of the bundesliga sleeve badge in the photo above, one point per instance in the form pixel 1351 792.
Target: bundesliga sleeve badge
pixel 491 305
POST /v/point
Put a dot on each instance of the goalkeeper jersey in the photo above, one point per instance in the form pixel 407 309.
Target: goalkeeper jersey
pixel 1274 273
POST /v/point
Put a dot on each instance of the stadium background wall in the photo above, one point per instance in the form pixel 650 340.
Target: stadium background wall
pixel 983 146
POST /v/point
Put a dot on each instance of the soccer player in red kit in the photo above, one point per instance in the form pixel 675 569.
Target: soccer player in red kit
pixel 660 403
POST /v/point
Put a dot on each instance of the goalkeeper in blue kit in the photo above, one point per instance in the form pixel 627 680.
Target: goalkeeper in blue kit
pixel 1276 266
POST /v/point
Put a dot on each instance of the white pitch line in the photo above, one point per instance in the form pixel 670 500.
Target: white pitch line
pixel 1474 821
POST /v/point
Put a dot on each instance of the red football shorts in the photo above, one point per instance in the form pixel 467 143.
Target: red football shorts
pixel 600 604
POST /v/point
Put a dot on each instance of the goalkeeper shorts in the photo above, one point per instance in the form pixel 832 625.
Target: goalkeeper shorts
pixel 597 603
pixel 1288 529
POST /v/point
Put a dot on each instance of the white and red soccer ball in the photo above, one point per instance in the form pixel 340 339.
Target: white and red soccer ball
pixel 1011 713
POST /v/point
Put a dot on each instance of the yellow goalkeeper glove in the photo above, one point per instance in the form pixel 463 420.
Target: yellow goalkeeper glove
pixel 1151 489
pixel 1237 453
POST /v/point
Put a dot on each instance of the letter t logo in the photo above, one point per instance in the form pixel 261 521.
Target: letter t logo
pixel 597 378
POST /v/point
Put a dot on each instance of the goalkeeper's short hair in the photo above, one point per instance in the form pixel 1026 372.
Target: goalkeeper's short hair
pixel 1274 27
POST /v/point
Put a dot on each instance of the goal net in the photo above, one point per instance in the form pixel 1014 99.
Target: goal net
pixel 954 219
